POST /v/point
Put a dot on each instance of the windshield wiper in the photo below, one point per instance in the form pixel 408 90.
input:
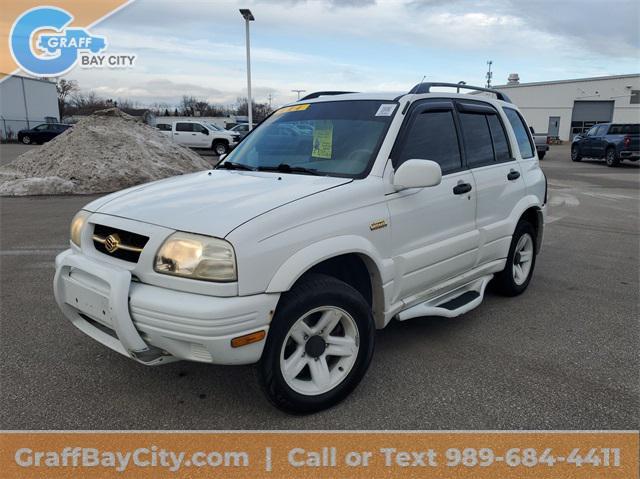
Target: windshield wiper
pixel 230 165
pixel 286 168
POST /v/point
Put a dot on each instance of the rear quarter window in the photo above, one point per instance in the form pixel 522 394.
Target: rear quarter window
pixel 525 143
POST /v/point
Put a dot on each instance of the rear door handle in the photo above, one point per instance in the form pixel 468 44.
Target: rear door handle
pixel 461 188
pixel 513 175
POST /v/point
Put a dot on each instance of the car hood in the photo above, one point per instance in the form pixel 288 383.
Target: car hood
pixel 212 203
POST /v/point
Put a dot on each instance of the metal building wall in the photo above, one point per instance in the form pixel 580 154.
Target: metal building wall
pixel 25 103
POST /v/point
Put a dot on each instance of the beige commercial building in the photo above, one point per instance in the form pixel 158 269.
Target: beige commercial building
pixel 565 108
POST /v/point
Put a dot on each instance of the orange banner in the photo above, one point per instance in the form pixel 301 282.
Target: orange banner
pixel 85 13
pixel 477 455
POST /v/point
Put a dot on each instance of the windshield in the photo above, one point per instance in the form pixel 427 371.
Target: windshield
pixel 339 138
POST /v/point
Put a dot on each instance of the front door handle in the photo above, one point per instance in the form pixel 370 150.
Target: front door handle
pixel 513 175
pixel 461 188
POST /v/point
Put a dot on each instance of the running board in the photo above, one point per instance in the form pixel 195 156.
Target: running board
pixel 452 304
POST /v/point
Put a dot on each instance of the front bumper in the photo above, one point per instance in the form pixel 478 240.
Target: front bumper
pixel 155 325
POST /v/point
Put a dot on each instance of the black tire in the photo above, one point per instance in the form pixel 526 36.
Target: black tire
pixel 26 139
pixel 504 282
pixel 220 147
pixel 575 153
pixel 611 157
pixel 315 291
pixel 541 155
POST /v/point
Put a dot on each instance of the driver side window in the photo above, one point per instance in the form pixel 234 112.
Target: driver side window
pixel 592 131
pixel 432 136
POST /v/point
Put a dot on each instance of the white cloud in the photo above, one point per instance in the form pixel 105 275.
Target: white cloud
pixel 198 47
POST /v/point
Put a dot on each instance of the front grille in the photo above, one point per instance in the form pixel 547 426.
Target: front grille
pixel 118 243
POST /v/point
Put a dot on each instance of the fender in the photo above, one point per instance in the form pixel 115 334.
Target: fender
pixel 523 205
pixel 380 270
pixel 292 269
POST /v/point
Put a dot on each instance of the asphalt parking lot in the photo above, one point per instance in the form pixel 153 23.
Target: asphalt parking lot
pixel 562 356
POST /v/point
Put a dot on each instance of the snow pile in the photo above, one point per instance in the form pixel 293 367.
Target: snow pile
pixel 104 152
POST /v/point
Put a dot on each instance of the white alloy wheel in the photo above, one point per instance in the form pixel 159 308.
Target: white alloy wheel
pixel 319 351
pixel 522 259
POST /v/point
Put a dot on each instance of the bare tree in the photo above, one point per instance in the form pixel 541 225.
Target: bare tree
pixel 260 110
pixel 64 88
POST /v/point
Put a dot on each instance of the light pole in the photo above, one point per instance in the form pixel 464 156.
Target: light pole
pixel 248 17
pixel 298 92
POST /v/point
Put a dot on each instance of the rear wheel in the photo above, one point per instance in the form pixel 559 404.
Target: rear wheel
pixel 319 345
pixel 220 147
pixel 541 155
pixel 611 157
pixel 515 276
pixel 575 153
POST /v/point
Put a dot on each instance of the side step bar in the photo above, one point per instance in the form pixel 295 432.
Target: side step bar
pixel 451 304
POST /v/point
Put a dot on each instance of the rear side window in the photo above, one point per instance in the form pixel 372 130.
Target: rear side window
pixel 624 129
pixel 477 139
pixel 432 136
pixel 184 126
pixel 522 136
pixel 500 141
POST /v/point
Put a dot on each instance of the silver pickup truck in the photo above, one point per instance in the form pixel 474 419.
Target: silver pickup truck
pixel 541 143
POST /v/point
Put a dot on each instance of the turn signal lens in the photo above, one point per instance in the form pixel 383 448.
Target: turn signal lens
pixel 248 339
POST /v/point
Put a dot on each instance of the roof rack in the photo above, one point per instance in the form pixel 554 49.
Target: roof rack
pixel 426 87
pixel 317 94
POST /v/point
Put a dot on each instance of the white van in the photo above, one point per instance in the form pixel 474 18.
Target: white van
pixel 199 134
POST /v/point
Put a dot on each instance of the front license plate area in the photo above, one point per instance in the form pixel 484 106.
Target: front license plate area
pixel 87 301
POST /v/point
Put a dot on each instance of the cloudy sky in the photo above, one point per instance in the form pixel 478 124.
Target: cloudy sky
pixel 197 47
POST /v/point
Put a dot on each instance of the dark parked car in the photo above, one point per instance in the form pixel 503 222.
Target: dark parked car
pixel 613 142
pixel 41 133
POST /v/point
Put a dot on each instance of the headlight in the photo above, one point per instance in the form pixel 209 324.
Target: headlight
pixel 197 257
pixel 77 223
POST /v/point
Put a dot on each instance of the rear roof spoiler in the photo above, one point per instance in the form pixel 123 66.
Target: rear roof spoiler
pixel 426 88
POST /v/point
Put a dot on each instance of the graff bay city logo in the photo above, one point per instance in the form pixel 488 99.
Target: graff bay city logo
pixel 42 44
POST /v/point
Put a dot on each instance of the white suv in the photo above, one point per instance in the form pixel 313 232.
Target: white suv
pixel 336 215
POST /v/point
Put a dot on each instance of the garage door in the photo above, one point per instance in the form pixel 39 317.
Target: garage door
pixel 588 113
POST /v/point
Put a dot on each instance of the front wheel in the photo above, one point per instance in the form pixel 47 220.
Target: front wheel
pixel 220 148
pixel 575 153
pixel 319 346
pixel 611 157
pixel 26 139
pixel 515 276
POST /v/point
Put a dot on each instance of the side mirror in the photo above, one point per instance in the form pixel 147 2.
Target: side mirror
pixel 417 174
pixel 205 131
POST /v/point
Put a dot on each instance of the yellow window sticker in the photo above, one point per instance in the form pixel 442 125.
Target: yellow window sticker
pixel 322 140
pixel 287 109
